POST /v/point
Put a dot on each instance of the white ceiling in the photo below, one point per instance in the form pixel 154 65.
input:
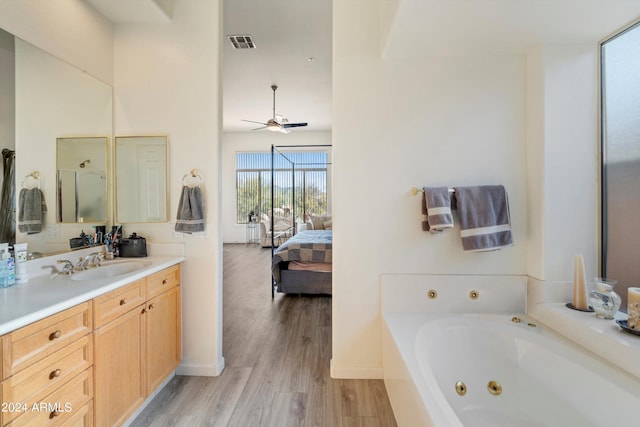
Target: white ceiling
pixel 286 33
pixel 420 28
pixel 289 32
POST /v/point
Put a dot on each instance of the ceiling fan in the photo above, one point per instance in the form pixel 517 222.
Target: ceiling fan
pixel 277 122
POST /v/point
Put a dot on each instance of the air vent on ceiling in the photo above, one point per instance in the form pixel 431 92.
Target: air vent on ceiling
pixel 242 42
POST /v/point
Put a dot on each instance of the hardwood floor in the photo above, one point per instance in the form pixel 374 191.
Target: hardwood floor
pixel 277 355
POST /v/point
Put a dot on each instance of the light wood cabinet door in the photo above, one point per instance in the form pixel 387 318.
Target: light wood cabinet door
pixel 119 374
pixel 163 336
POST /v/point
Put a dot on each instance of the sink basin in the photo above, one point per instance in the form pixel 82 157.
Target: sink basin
pixel 110 270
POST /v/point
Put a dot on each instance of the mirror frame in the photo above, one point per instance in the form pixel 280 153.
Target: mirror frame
pixel 118 140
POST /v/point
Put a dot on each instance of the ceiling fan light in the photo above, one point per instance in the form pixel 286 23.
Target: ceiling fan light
pixel 273 127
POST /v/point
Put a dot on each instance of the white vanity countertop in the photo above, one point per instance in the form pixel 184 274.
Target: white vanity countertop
pixel 45 295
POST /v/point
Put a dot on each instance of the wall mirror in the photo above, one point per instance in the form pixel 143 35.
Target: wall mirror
pixel 141 179
pixel 81 167
pixel 41 99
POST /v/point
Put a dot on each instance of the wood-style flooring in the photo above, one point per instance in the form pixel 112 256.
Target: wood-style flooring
pixel 277 355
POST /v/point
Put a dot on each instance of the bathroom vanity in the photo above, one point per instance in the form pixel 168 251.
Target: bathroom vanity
pixel 89 350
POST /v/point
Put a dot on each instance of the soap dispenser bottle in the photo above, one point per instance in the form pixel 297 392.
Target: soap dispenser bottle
pixel 7 271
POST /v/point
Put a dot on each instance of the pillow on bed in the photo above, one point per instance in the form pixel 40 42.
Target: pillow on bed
pixel 327 224
pixel 318 221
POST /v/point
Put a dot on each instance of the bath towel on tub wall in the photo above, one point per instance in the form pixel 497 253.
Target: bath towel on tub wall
pixel 32 210
pixel 436 209
pixel 191 214
pixel 483 211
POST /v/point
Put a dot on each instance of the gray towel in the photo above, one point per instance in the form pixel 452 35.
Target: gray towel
pixel 191 216
pixel 436 209
pixel 33 209
pixel 484 217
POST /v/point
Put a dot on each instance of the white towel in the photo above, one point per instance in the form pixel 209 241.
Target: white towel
pixel 485 224
pixel 436 209
pixel 191 215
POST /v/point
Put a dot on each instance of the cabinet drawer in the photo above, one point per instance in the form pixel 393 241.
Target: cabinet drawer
pixel 83 417
pixel 32 343
pixel 42 378
pixel 59 407
pixel 115 303
pixel 163 280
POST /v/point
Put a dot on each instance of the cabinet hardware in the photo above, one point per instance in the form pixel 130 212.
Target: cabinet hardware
pixel 55 373
pixel 54 335
pixel 123 301
pixel 53 414
pixel 150 306
pixel 164 281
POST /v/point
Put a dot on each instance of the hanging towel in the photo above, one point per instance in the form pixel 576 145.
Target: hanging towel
pixel 484 217
pixel 191 216
pixel 33 209
pixel 436 209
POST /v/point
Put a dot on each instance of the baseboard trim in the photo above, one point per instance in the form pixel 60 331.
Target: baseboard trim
pixel 353 372
pixel 201 370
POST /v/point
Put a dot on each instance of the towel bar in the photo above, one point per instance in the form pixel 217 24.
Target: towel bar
pixel 416 190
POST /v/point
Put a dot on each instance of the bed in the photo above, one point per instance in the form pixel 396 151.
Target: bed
pixel 302 264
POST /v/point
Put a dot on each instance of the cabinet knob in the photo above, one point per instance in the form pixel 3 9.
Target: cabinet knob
pixel 54 374
pixel 54 335
pixel 53 414
pixel 165 281
pixel 150 306
pixel 123 301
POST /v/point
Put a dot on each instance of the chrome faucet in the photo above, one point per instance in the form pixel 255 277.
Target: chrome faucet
pixel 90 261
pixel 67 268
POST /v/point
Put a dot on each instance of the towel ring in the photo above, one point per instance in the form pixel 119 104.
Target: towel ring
pixel 31 181
pixel 192 179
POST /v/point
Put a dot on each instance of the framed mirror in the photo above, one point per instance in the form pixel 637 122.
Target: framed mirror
pixel 81 165
pixel 141 179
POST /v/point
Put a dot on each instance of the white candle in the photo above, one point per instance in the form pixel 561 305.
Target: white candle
pixel 633 308
pixel 579 284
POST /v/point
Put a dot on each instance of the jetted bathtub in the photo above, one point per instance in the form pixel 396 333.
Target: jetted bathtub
pixel 469 370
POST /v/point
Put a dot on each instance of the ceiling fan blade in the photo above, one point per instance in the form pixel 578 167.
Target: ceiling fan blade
pixel 294 125
pixel 252 121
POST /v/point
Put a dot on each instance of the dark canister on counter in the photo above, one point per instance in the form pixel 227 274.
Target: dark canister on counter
pixel 133 247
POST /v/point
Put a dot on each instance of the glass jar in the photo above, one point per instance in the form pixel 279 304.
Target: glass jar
pixel 604 300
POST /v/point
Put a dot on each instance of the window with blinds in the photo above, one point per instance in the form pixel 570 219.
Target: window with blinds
pixel 306 170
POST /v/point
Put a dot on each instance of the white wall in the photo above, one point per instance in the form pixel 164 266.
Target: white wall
pixel 397 124
pixel 571 160
pixel 68 29
pixel 166 82
pixel 562 160
pixel 235 142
